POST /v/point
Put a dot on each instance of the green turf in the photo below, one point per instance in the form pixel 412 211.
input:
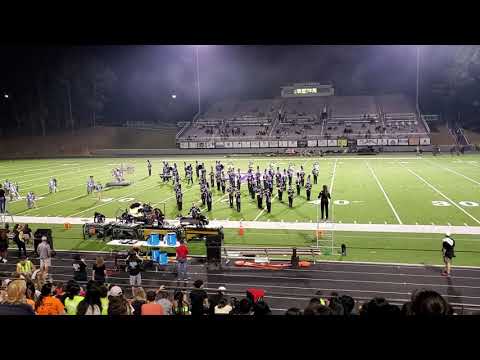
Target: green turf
pixel 456 180
pixel 375 247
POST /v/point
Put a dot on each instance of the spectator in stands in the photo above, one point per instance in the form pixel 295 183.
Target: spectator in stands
pixel 223 307
pixel 30 294
pixel 117 304
pixel 47 304
pixel 215 299
pixel 429 302
pixel 79 268
pixel 198 298
pixel 39 278
pixel 45 252
pixel 27 233
pixel 379 307
pixel 15 301
pixel 99 272
pixel 3 200
pixel 25 267
pixel 3 290
pixel 73 297
pixel 348 304
pixel 104 298
pixel 260 308
pixel 4 245
pixel 336 306
pixel 134 263
pixel 180 303
pixel 20 242
pixel 244 308
pixel 91 304
pixel 317 310
pixel 151 307
pixel 139 298
pixel 59 291
pixel 182 253
pixel 293 311
pixel 162 298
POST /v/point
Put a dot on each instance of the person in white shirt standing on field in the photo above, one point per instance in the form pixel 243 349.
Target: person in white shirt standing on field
pixel 448 251
pixel 45 254
pixel 52 186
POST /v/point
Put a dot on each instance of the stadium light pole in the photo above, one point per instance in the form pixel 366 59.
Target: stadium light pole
pixel 198 78
pixel 418 80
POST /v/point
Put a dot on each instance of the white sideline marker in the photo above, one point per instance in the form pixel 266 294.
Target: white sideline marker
pixel 439 192
pixel 384 193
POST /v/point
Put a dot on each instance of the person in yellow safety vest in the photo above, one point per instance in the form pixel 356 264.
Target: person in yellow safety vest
pixel 104 299
pixel 25 267
pixel 73 297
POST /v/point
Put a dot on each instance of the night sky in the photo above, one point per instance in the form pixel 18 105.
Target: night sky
pixel 149 75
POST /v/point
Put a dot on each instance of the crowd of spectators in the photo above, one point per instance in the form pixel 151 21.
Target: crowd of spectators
pixel 24 296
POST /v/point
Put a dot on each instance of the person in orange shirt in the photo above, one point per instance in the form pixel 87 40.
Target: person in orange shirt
pixel 47 304
pixel 152 308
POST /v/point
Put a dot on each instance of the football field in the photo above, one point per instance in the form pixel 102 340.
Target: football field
pixel 412 190
pixel 396 190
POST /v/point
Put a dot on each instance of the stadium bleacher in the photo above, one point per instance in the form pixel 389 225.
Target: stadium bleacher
pixel 308 118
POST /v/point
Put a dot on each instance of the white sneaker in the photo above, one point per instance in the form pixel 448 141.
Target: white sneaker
pixel 4 261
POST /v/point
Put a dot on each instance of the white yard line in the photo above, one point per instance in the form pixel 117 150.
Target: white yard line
pixel 39 169
pixel 455 172
pixel 384 193
pixel 263 210
pixel 331 187
pixel 333 176
pixel 440 193
pixel 55 203
pixel 62 174
pixel 59 202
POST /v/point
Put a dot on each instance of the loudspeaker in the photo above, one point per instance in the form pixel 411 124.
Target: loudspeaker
pixel 214 254
pixel 213 241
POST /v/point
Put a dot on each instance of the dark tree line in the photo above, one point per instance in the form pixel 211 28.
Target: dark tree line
pixel 57 90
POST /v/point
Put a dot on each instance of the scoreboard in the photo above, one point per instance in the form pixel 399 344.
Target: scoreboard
pixel 307 89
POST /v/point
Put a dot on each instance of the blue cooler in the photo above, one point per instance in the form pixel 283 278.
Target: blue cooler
pixel 171 239
pixel 162 258
pixel 155 256
pixel 154 239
